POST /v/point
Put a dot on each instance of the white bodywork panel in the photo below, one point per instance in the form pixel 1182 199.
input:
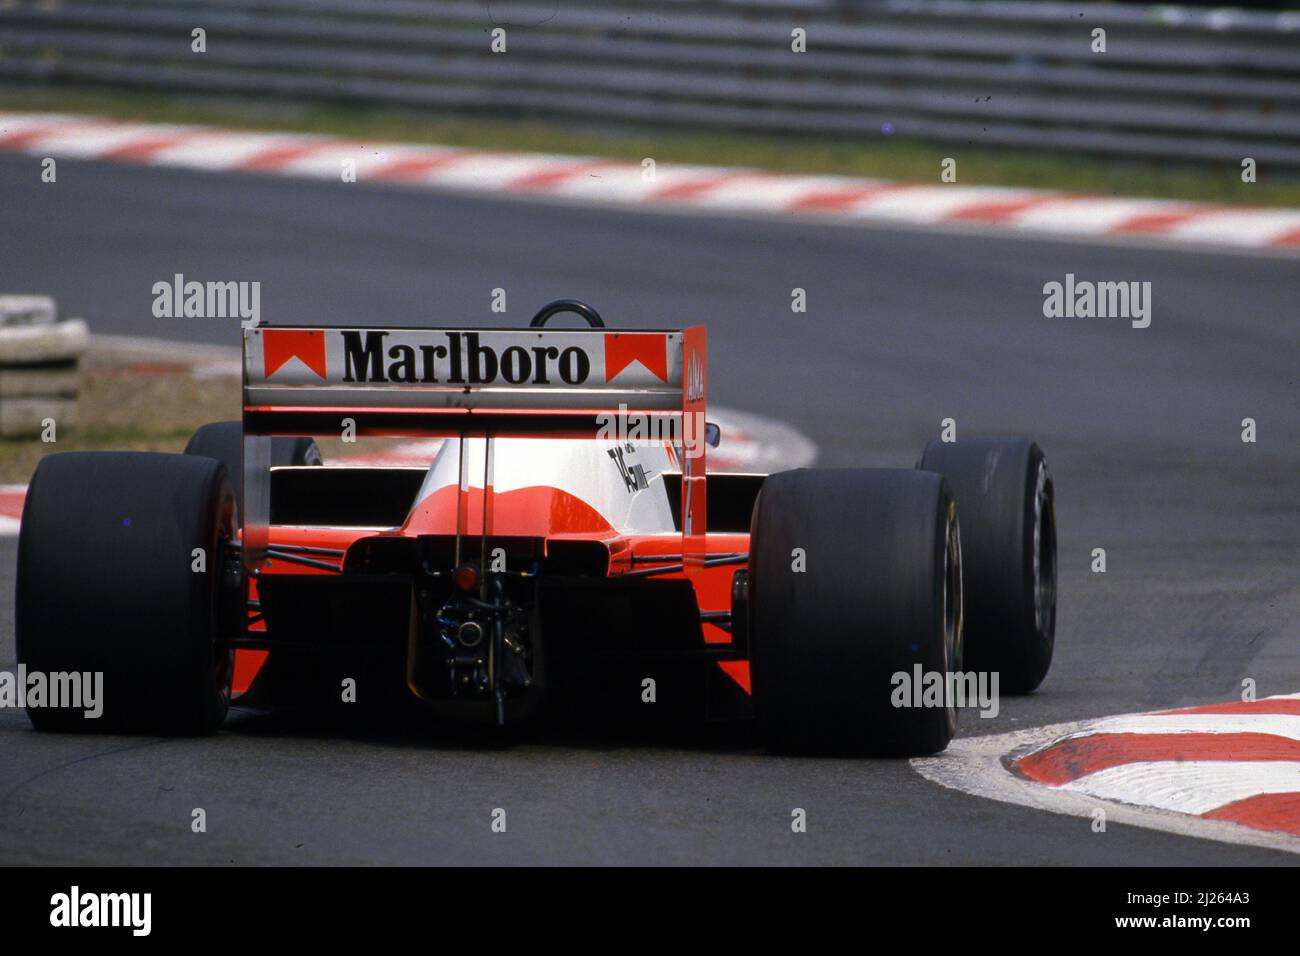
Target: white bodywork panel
pixel 622 481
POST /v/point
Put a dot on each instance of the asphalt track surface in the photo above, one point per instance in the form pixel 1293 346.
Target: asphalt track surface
pixel 903 329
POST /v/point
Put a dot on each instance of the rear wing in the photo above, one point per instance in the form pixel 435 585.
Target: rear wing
pixel 475 383
pixel 468 382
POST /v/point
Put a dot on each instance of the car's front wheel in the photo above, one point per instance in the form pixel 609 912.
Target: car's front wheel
pixel 224 441
pixel 1007 502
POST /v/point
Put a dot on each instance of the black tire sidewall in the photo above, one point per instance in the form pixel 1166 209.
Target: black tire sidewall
pixel 105 582
pixel 825 644
pixel 995 483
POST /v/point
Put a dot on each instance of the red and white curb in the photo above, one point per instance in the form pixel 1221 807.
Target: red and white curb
pixel 1228 772
pixel 623 183
pixel 11 508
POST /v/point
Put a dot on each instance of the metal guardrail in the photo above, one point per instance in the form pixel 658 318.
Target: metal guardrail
pixel 1174 83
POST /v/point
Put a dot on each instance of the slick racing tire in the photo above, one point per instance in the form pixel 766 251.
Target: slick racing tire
pixel 854 587
pixel 110 581
pixel 1005 502
pixel 224 441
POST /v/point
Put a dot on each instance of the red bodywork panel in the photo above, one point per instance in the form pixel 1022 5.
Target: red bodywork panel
pixel 712 585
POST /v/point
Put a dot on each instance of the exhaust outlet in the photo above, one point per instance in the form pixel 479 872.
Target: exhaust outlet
pixel 470 634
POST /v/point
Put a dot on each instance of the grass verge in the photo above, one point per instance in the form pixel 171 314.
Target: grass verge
pixel 148 406
pixel 134 407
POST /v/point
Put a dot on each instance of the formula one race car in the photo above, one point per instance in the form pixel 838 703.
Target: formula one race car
pixel 558 547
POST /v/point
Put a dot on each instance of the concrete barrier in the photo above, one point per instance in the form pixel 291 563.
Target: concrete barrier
pixel 40 361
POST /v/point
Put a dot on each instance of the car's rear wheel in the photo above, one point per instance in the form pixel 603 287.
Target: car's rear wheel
pixel 855 591
pixel 126 569
pixel 1006 500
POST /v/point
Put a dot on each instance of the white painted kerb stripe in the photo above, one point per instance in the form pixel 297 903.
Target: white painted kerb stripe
pixel 1279 725
pixel 1195 787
